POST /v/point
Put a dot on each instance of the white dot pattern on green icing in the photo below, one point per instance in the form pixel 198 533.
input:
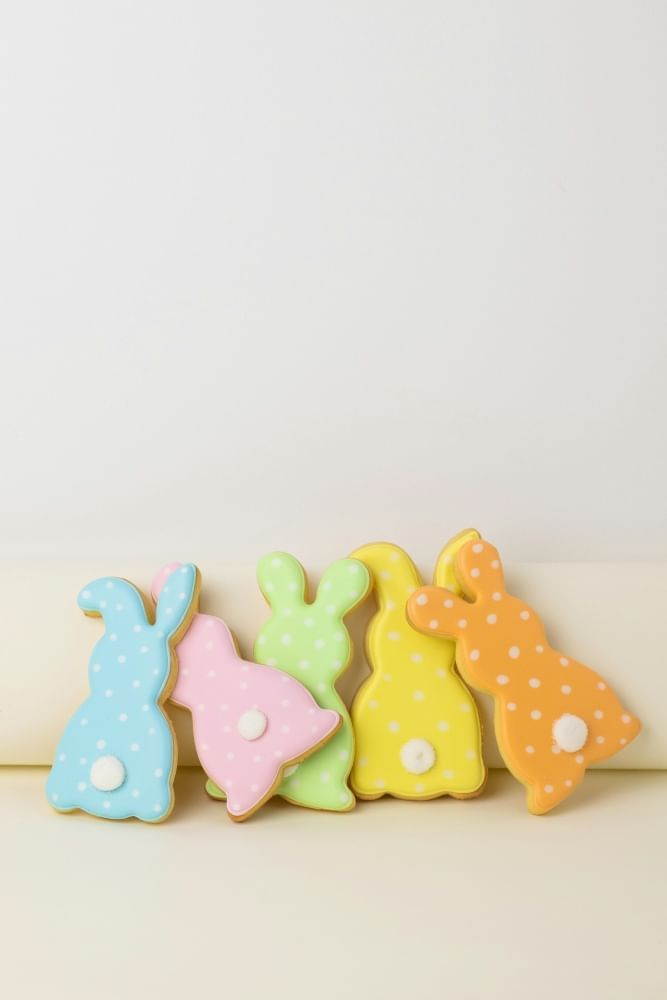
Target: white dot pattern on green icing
pixel 310 642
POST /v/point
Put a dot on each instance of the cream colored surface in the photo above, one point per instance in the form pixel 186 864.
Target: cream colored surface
pixel 395 900
pixel 610 616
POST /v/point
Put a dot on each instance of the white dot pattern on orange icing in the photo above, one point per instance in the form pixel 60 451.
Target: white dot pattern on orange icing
pixel 554 714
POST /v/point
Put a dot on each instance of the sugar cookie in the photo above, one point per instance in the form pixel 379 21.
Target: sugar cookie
pixel 416 725
pixel 251 722
pixel 553 715
pixel 117 756
pixel 310 642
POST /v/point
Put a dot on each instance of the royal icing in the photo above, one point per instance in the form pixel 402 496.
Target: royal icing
pixel 117 755
pixel 250 721
pixel 416 724
pixel 311 643
pixel 554 716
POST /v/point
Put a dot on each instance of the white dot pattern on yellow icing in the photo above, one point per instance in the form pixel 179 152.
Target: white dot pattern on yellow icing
pixel 416 724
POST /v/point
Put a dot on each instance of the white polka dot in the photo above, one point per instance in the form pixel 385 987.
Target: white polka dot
pixel 136 683
pixel 496 595
pixel 54 797
pixel 626 718
pixel 579 758
pixel 623 741
pixel 534 682
pixel 502 679
pixel 495 564
pixel 84 722
pixel 394 727
pixel 491 619
pixel 440 672
pixel 325 777
pixel 462 623
pixel 602 686
pixel 286 639
pixel 477 548
pixel 474 572
pixel 598 714
pixel 108 693
pixel 82 786
pixel 524 615
pixel 416 657
pixel 568 783
pixel 433 623
pixel 548 789
pixel 158 772
pixel 101 744
pixel 319 643
pixel 464 707
pixel 418 695
pixel 134 747
pixel 83 760
pixel 417 756
pixel 536 714
pixel 474 655
pixel 539 649
pixel 471 754
pixel 511 706
pixel 97 667
pixel 379 783
pixel 421 599
pixel 566 689
pixel 122 659
pixel 387 678
pixel 373 703
pixel 599 739
pixel 136 628
pixel 514 652
pixel 393 636
pixel 564 662
pixel 530 749
pixel 448 774
pixel 448 603
pixel 443 726
pixel 113 637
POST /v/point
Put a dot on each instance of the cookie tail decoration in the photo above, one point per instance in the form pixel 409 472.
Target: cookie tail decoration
pixel 117 756
pixel 252 723
pixel 553 715
pixel 310 642
pixel 416 724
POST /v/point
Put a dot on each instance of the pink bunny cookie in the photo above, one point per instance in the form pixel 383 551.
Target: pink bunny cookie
pixel 250 722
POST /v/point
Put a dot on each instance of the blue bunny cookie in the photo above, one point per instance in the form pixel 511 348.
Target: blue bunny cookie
pixel 117 756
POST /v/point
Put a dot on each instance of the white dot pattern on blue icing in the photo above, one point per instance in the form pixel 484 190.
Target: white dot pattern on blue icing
pixel 122 718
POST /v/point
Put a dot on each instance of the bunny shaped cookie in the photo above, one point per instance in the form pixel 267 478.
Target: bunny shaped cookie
pixel 416 725
pixel 250 721
pixel 553 716
pixel 310 642
pixel 117 755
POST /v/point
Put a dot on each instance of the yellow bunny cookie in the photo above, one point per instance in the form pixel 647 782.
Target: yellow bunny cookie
pixel 416 724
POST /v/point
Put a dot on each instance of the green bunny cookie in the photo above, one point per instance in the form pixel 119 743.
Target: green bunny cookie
pixel 311 642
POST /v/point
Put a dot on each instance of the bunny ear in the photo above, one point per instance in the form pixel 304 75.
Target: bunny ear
pixel 178 600
pixel 116 600
pixel 445 575
pixel 436 611
pixel 161 578
pixel 281 579
pixel 479 571
pixel 393 572
pixel 343 585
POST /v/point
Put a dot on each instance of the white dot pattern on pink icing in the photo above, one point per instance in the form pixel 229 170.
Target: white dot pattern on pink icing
pixel 211 674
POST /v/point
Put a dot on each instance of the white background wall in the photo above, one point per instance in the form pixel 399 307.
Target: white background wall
pixel 307 274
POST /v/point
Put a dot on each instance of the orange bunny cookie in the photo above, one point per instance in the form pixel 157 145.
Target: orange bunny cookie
pixel 553 716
